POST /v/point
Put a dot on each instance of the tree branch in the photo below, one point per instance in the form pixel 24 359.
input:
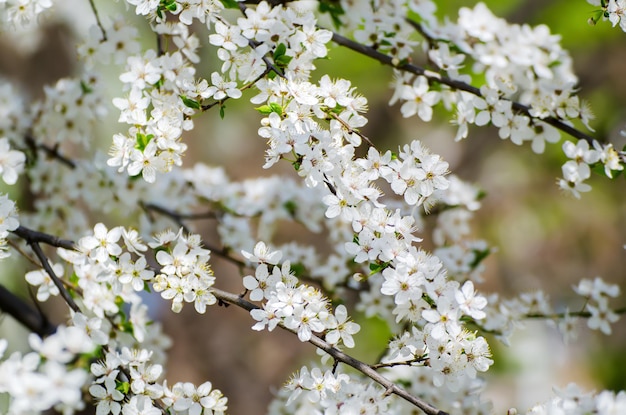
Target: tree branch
pixel 31 236
pixel 23 313
pixel 340 356
pixel 434 77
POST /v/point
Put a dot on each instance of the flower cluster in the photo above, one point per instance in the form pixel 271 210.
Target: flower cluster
pixel 142 393
pixel 611 10
pixel 23 12
pixel 186 275
pixel 298 307
pixel 577 169
pixel 597 294
pixel 573 401
pixel 8 222
pixel 47 377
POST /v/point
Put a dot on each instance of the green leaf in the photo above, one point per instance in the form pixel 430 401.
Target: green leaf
pixel 268 109
pixel 283 61
pixel 280 58
pixel 298 269
pixel 230 4
pixel 74 278
pixel 334 9
pixel 143 140
pixel 378 267
pixel 191 103
pixel 480 255
pixel 264 109
pixel 123 387
pixel 291 207
pixel 279 51
pixel 169 5
pixel 222 111
pixel 85 88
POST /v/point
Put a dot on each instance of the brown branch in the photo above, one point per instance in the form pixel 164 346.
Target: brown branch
pixel 24 314
pixel 179 218
pixel 48 268
pixel 33 239
pixel 338 355
pixel 31 236
pixel 50 151
pixel 437 78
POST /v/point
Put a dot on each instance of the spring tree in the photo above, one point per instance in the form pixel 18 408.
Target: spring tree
pixel 368 203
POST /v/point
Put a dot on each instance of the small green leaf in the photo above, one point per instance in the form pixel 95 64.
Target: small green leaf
pixel 480 255
pixel 170 5
pixel 279 51
pixel 85 88
pixel 298 269
pixel 283 60
pixel 74 278
pixel 291 207
pixel 277 108
pixel 334 9
pixel 191 103
pixel 264 109
pixel 222 111
pixel 123 387
pixel 429 300
pixel 270 108
pixel 230 4
pixel 143 140
pixel 378 267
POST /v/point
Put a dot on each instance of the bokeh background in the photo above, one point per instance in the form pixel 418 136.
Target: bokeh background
pixel 544 239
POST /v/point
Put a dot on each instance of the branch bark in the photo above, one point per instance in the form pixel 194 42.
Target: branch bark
pixel 25 314
pixel 434 77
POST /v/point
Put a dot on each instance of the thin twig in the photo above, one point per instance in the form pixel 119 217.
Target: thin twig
pixel 350 130
pixel 179 220
pixel 95 13
pixel 48 268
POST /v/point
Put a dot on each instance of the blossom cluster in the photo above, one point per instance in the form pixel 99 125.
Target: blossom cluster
pixel 109 274
pixel 48 376
pixel 571 400
pixel 503 315
pixel 22 12
pixel 298 307
pixel 611 10
pixel 529 77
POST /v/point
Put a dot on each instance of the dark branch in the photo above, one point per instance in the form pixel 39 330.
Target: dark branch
pixel 50 151
pixel 434 77
pixel 48 268
pixel 340 356
pixel 31 236
pixel 26 315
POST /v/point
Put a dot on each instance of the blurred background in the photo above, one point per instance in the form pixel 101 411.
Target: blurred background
pixel 544 239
